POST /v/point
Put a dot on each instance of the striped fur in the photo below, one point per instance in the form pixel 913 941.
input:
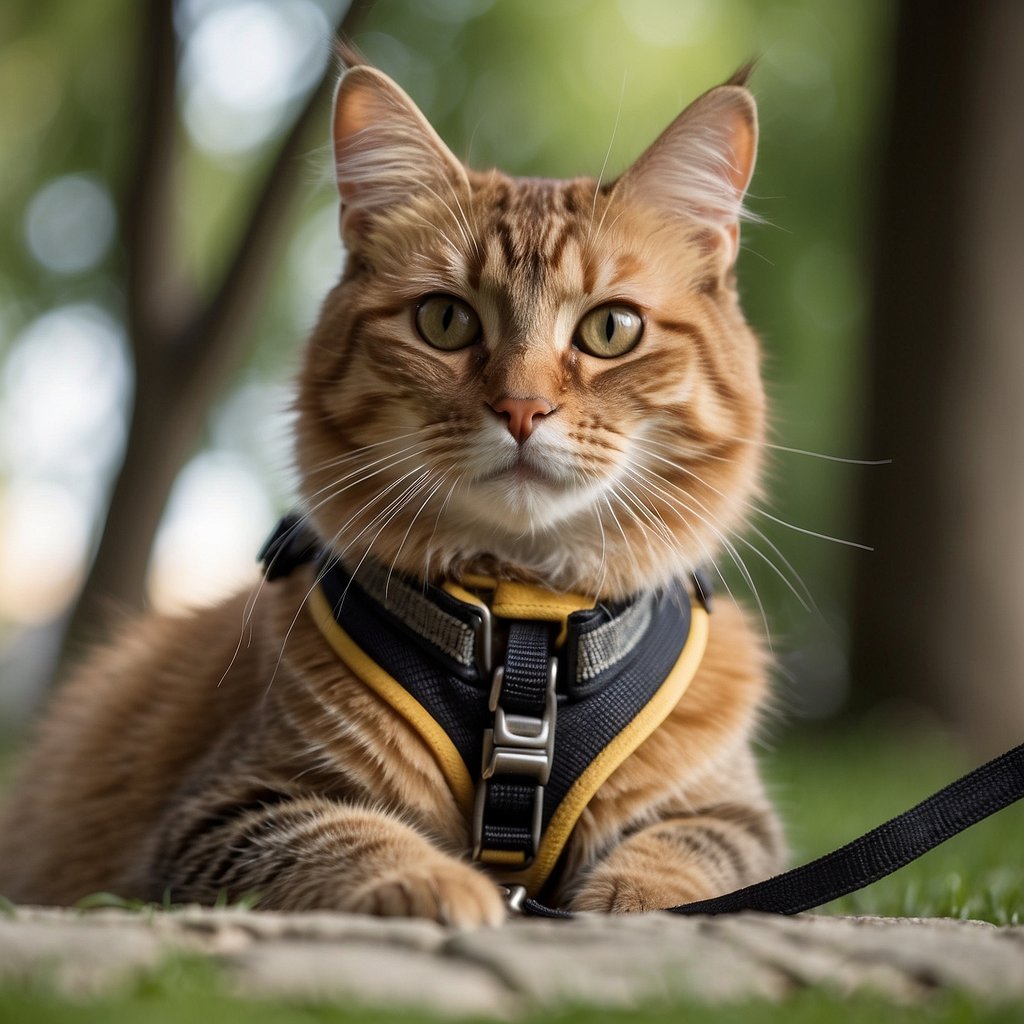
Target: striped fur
pixel 230 752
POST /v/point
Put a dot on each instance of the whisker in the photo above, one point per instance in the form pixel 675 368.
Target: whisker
pixel 722 539
pixel 441 480
pixel 757 508
pixel 249 608
pixel 629 550
pixel 356 452
pixel 396 506
pixel 389 462
pixel 709 558
pixel 815 455
pixel 807 532
pixel 805 599
pixel 603 567
pixel 604 166
pixel 334 559
pixel 437 521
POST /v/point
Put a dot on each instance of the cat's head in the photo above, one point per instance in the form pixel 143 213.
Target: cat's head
pixel 545 379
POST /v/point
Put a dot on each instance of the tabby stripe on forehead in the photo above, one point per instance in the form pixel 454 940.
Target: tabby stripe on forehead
pixel 504 233
pixel 626 267
pixel 589 275
pixel 475 262
pixel 558 249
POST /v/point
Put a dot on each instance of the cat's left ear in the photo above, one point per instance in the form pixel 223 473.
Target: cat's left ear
pixel 385 150
pixel 701 165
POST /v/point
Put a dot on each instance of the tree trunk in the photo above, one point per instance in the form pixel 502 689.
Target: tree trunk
pixel 940 604
pixel 184 348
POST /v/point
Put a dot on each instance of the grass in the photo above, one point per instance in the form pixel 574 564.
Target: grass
pixel 830 785
pixel 834 785
pixel 189 990
pixel 110 900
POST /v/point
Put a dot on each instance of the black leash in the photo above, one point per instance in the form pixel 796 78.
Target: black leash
pixel 875 854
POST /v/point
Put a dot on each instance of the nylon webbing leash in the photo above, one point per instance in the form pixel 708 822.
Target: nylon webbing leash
pixel 880 852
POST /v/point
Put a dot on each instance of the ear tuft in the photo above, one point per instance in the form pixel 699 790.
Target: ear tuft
pixel 349 54
pixel 741 76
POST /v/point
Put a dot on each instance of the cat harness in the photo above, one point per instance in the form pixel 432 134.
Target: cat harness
pixel 527 699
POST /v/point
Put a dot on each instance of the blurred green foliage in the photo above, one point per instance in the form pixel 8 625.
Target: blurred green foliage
pixel 566 87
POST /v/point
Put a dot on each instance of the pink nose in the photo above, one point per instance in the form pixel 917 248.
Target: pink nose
pixel 521 414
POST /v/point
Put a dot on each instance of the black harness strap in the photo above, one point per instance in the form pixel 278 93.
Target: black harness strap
pixel 525 677
pixel 877 853
pixel 510 799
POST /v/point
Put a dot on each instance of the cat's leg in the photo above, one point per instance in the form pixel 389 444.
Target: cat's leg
pixel 689 853
pixel 681 860
pixel 311 853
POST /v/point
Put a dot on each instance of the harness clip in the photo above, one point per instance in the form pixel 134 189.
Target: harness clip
pixel 517 746
pixel 521 744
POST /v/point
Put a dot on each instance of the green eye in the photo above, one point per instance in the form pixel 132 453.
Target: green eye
pixel 447 323
pixel 609 331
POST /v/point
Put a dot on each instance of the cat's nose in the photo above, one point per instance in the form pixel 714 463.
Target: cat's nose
pixel 521 414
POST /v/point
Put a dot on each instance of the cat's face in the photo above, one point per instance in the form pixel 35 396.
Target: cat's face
pixel 544 378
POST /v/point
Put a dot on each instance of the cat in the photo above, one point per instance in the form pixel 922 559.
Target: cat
pixel 516 383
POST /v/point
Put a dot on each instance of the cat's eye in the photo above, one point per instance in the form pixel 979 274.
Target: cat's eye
pixel 447 323
pixel 609 331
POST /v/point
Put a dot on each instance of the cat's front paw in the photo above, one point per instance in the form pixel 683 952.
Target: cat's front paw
pixel 614 893
pixel 449 892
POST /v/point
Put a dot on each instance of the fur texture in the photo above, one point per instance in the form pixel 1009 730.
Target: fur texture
pixel 184 759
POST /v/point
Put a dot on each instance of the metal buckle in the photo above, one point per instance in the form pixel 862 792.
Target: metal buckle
pixel 521 744
pixel 485 640
pixel 515 896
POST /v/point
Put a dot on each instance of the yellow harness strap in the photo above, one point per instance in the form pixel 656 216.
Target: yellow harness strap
pixel 512 600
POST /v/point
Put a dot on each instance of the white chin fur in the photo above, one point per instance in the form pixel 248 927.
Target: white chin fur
pixel 520 506
pixel 523 491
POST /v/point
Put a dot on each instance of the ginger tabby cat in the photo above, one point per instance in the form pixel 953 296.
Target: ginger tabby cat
pixel 541 381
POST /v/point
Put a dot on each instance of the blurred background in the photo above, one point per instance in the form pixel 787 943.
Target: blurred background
pixel 168 228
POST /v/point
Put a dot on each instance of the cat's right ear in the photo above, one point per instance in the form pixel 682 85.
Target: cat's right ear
pixel 385 150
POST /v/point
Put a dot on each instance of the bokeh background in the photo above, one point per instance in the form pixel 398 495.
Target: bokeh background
pixel 168 228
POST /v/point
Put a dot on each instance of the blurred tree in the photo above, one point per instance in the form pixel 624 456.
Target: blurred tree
pixel 939 606
pixel 560 88
pixel 183 343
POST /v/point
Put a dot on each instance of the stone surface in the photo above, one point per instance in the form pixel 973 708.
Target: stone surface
pixel 501 972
